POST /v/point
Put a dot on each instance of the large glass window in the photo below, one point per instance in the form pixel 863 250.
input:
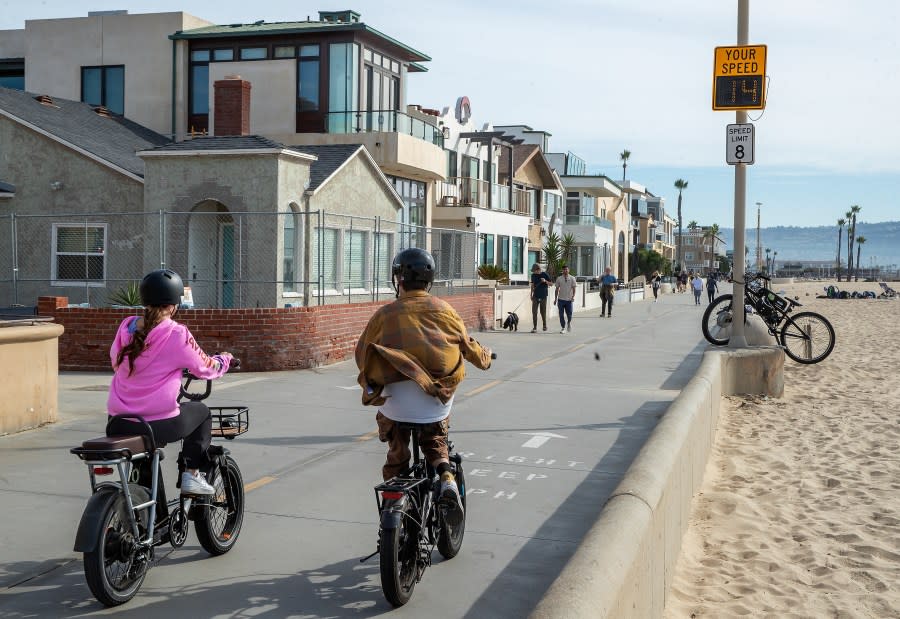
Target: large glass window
pixel 518 254
pixel 504 252
pixel 223 55
pixel 486 249
pixel 343 85
pixel 355 259
pixel 79 253
pixel 385 254
pixel 308 79
pixel 254 53
pixel 413 195
pixel 289 236
pixel 325 240
pixel 104 86
pixel 12 74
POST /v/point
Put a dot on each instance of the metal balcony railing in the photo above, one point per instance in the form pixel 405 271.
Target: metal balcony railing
pixel 588 220
pixel 379 121
pixel 462 191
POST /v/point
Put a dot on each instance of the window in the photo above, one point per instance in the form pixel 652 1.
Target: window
pixel 355 259
pixel 308 79
pixel 104 86
pixel 325 241
pixel 412 193
pixel 343 84
pixel 504 252
pixel 688 241
pixel 451 164
pixel 486 249
pixel 448 255
pixel 79 253
pixel 254 53
pixel 384 248
pixel 12 74
pixel 223 55
pixel 285 51
pixel 688 256
pixel 534 257
pixel 289 274
pixel 518 254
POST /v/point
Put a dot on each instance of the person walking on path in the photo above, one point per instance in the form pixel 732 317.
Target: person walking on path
pixel 540 288
pixel 711 287
pixel 697 285
pixel 654 285
pixel 564 298
pixel 607 292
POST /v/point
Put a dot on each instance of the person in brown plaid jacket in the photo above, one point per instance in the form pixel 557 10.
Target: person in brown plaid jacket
pixel 410 359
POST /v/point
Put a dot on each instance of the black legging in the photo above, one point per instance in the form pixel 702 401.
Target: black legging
pixel 193 425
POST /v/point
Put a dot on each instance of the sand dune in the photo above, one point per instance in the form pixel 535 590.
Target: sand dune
pixel 799 513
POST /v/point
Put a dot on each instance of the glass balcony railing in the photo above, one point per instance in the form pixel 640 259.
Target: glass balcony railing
pixel 383 121
pixel 588 220
pixel 462 191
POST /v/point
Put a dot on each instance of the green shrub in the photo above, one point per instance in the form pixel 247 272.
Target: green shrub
pixel 129 295
pixel 492 271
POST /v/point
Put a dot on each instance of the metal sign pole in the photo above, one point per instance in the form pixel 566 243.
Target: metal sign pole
pixel 738 339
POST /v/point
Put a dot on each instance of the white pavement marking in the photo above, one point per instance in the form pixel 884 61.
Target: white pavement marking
pixel 348 388
pixel 539 438
pixel 238 383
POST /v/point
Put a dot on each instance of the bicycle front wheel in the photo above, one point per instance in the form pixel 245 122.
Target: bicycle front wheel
pixel 717 319
pixel 219 524
pixel 399 554
pixel 807 337
pixel 450 538
pixel 115 569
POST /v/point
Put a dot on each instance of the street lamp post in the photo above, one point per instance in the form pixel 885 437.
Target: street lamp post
pixel 758 244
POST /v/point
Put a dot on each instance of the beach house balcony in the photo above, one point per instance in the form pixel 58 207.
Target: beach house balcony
pixel 477 193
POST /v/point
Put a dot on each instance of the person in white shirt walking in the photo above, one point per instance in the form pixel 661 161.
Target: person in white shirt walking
pixel 564 299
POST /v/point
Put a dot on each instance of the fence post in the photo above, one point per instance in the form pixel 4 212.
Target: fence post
pixel 321 258
pixel 162 239
pixel 307 252
pixel 376 246
pixel 15 258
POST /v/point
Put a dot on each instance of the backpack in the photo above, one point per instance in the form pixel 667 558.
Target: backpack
pixel 831 292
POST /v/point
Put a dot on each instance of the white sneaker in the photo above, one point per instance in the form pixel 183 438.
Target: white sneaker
pixel 569 328
pixel 450 497
pixel 562 331
pixel 195 484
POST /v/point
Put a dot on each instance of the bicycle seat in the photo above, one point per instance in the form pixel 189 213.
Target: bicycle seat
pixel 134 444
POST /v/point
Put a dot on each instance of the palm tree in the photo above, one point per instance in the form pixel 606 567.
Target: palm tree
pixel 680 185
pixel 852 231
pixel 768 254
pixel 840 223
pixel 624 155
pixel 709 235
pixel 859 243
pixel 692 224
pixel 849 216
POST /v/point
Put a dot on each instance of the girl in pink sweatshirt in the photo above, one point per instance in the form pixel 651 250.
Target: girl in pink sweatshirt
pixel 148 356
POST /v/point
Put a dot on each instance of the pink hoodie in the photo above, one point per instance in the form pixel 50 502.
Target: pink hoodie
pixel 151 392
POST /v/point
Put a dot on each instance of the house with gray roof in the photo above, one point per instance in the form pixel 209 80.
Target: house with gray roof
pixel 95 201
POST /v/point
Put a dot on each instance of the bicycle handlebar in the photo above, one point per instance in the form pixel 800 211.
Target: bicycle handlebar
pixel 198 397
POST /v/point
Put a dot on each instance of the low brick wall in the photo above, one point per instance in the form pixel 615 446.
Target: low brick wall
pixel 265 339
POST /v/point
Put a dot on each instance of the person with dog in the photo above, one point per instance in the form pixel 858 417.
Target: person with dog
pixel 564 298
pixel 608 285
pixel 540 290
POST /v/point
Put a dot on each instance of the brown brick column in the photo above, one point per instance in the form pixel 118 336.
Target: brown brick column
pixel 231 106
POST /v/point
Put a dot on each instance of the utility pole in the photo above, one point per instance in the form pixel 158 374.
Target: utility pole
pixel 758 243
pixel 738 339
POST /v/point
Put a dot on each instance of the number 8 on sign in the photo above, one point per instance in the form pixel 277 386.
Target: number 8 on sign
pixel 739 141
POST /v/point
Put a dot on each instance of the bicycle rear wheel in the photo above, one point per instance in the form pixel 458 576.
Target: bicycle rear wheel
pixel 115 569
pixel 717 319
pixel 450 538
pixel 399 554
pixel 807 337
pixel 219 523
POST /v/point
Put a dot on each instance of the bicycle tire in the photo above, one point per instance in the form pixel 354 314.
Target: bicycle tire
pixel 450 538
pixel 399 558
pixel 812 342
pixel 114 571
pixel 219 524
pixel 716 322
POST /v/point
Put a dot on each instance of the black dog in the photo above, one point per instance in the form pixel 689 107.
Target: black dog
pixel 511 322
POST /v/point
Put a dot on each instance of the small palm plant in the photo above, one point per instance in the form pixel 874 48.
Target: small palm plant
pixel 128 295
pixel 492 271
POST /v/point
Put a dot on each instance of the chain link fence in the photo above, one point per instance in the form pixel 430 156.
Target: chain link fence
pixel 227 259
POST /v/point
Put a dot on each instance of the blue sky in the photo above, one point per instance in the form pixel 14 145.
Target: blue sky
pixel 607 75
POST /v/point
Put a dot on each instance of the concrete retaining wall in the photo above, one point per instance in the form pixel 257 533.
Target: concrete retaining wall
pixel 625 564
pixel 29 366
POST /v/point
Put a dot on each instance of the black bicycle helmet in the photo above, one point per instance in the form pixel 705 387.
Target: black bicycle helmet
pixel 162 287
pixel 413 266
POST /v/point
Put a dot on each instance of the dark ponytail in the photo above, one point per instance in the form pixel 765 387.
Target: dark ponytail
pixel 153 315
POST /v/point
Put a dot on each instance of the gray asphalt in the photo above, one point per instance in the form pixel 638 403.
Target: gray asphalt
pixel 546 434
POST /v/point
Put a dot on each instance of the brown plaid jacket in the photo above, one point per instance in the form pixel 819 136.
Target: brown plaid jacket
pixel 417 337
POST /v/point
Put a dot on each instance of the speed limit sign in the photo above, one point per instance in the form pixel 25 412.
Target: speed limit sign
pixel 739 140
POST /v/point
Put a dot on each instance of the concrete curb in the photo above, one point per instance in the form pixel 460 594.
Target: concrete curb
pixel 625 563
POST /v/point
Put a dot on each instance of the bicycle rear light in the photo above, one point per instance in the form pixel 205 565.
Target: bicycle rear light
pixel 391 495
pixel 103 470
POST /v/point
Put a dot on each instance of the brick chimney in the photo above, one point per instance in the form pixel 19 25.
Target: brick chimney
pixel 232 106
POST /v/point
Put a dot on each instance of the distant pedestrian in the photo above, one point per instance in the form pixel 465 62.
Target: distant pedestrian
pixel 711 287
pixel 697 285
pixel 540 288
pixel 607 292
pixel 564 298
pixel 682 282
pixel 655 279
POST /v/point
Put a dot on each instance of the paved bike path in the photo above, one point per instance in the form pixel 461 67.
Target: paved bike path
pixel 547 434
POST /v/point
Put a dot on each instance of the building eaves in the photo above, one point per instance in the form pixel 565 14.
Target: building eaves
pixel 295 27
pixel 111 139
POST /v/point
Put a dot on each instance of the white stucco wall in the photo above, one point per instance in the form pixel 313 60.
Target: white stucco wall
pixel 12 43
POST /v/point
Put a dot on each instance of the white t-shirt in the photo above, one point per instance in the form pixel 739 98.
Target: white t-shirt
pixel 407 402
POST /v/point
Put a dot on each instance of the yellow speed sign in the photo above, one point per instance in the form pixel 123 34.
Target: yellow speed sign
pixel 739 77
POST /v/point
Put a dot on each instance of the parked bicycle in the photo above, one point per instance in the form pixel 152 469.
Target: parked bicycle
pixel 127 518
pixel 806 337
pixel 414 521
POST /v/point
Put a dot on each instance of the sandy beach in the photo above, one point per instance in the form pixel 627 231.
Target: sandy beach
pixel 799 513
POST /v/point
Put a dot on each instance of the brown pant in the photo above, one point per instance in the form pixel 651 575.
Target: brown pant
pixel 433 440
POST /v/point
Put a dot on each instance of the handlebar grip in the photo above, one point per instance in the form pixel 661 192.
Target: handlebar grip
pixel 493 355
pixel 235 364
